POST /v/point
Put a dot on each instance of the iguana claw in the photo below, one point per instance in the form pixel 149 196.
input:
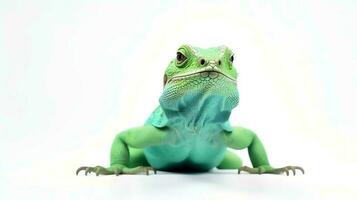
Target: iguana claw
pixel 99 170
pixel 80 169
pixel 270 170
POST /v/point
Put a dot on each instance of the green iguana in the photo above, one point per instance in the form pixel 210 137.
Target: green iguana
pixel 190 131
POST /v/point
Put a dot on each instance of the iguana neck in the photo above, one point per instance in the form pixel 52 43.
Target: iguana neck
pixel 197 110
pixel 198 102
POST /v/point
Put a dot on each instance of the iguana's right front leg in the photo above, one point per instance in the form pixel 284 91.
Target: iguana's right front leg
pixel 139 137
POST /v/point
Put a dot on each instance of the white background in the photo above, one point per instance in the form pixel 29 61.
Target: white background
pixel 75 73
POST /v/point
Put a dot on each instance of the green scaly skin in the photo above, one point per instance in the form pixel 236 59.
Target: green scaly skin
pixel 190 131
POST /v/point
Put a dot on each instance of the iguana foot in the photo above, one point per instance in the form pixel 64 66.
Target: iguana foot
pixel 271 170
pixel 118 169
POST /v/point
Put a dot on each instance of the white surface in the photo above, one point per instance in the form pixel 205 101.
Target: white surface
pixel 74 73
pixel 215 185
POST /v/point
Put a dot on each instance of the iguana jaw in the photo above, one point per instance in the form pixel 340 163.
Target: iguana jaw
pixel 205 72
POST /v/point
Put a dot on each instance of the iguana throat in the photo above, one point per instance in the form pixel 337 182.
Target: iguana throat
pixel 200 98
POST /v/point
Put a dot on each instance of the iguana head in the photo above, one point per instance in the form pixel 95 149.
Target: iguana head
pixel 197 74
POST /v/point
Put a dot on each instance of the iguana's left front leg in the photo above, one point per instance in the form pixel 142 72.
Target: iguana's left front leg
pixel 242 138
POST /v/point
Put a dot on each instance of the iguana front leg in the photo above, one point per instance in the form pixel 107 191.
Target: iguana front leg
pixel 139 138
pixel 242 138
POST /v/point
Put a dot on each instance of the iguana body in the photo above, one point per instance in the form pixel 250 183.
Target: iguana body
pixel 190 131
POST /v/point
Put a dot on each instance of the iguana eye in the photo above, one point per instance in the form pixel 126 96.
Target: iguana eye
pixel 231 58
pixel 180 57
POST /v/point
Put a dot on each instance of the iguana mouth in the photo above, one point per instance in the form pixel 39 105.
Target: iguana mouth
pixel 211 73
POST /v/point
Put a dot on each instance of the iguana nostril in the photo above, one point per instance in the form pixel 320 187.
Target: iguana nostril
pixel 202 61
pixel 219 62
